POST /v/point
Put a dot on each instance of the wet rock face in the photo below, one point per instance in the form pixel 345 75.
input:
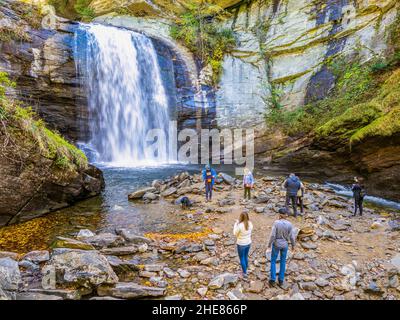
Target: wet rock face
pixel 44 70
pixel 299 37
pixel 32 189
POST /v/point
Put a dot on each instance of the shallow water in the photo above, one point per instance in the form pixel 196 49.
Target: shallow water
pixel 112 210
pixel 106 212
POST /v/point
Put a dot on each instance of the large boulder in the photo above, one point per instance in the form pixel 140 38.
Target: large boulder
pixel 38 256
pixel 10 277
pixel 132 237
pixel 81 268
pixel 105 240
pixel 130 290
pixel 227 178
pixel 63 242
pixel 138 194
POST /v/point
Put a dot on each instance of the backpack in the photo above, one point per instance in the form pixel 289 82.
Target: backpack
pixel 208 177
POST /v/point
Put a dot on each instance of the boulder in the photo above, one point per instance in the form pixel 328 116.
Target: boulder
pixel 62 242
pixel 256 286
pixel 169 192
pixel 120 251
pixel 227 178
pixel 122 266
pixel 202 291
pixel 10 277
pixel 223 280
pixel 129 290
pixel 297 296
pixel 169 272
pixel 132 237
pixel 309 286
pixel 154 267
pixel 84 234
pixel 158 281
pixel 321 282
pixel 37 256
pixel 105 240
pixel 29 266
pixel 150 196
pixel 395 262
pixel 81 268
pixel 138 194
pixel 236 294
pixel 7 254
pixel 373 288
pixel 183 273
pixel 36 296
pixel 261 199
pixel 226 202
pixel 211 261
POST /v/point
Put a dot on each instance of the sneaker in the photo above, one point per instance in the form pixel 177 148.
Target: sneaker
pixel 271 283
pixel 283 285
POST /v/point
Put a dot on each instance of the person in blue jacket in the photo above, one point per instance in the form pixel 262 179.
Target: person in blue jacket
pixel 248 183
pixel 209 175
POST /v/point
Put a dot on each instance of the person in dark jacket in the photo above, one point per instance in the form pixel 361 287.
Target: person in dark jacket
pixel 292 186
pixel 358 194
pixel 184 202
pixel 209 175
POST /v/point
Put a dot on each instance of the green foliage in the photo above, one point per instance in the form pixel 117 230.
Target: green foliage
pixel 197 30
pixel 25 128
pixel 353 85
pixel 82 8
pixel 18 33
pixel 5 83
pixel 384 126
pixel 29 12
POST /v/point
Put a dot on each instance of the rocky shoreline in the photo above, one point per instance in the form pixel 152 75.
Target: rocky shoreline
pixel 336 257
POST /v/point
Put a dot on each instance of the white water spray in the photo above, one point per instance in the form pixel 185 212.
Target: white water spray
pixel 126 95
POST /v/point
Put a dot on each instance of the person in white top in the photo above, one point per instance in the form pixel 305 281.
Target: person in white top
pixel 242 231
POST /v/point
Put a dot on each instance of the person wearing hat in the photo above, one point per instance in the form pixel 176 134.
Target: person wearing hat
pixel 209 175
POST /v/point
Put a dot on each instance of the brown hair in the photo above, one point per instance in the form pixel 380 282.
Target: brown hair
pixel 244 217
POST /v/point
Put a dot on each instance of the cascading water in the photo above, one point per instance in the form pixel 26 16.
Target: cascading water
pixel 126 96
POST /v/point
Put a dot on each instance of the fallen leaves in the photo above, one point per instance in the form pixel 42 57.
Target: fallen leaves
pixel 169 237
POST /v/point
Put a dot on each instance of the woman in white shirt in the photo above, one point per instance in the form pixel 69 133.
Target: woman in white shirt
pixel 242 230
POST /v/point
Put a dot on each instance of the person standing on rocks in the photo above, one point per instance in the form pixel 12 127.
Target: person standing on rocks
pixel 242 231
pixel 248 183
pixel 209 175
pixel 292 186
pixel 300 196
pixel 281 234
pixel 358 194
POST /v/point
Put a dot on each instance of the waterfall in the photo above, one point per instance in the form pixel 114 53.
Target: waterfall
pixel 126 96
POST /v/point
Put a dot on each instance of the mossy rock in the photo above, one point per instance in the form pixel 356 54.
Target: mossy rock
pixel 62 242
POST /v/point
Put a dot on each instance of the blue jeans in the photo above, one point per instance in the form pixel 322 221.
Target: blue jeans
pixel 208 191
pixel 282 264
pixel 243 252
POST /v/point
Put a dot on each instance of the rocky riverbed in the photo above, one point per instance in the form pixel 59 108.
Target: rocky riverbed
pixel 337 256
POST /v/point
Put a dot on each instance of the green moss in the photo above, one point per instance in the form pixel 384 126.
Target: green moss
pixel 353 118
pixel 26 129
pixel 385 126
pixel 197 30
pixel 18 34
pixel 82 8
pixel 29 12
pixel 355 84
